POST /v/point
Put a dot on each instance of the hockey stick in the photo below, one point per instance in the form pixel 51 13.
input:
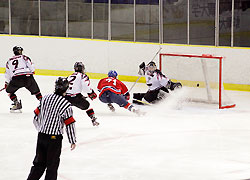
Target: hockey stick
pixel 2 89
pixel 134 83
pixel 141 75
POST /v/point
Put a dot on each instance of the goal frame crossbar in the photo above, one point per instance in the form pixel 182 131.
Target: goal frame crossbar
pixel 206 56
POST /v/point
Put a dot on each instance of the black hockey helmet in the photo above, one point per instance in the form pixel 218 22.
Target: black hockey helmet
pixel 17 50
pixel 61 85
pixel 79 67
pixel 151 67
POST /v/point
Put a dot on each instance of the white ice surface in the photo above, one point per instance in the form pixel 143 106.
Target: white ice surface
pixel 191 142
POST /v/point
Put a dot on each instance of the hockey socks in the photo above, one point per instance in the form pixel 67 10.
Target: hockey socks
pixel 38 96
pixel 91 114
pixel 129 106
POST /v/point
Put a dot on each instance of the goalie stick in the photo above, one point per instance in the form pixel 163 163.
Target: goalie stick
pixel 141 75
pixel 137 101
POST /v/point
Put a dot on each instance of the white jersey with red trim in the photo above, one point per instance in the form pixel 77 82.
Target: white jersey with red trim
pixel 18 65
pixel 155 80
pixel 78 82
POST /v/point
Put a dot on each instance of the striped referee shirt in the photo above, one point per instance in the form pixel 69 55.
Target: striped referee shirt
pixel 53 112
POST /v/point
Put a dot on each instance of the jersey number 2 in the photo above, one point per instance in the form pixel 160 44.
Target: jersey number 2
pixel 71 81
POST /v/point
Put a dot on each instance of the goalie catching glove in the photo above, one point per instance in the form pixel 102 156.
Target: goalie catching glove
pixel 142 68
pixel 127 96
pixel 92 95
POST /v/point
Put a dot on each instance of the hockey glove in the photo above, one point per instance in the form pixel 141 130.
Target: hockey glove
pixel 127 96
pixel 172 86
pixel 92 95
pixel 168 84
pixel 176 86
pixel 6 84
pixel 142 68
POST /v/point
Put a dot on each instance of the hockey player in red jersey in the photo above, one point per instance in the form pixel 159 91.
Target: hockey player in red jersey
pixel 19 73
pixel 158 84
pixel 113 90
pixel 79 82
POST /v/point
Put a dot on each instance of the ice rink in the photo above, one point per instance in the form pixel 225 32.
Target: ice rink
pixel 172 142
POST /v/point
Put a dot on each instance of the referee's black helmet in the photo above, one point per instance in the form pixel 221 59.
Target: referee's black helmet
pixel 61 85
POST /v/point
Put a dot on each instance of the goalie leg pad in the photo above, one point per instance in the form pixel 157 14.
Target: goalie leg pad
pixel 151 96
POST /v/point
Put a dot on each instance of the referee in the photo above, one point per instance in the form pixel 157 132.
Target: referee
pixel 53 112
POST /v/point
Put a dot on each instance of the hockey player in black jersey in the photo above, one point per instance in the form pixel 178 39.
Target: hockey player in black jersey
pixel 158 85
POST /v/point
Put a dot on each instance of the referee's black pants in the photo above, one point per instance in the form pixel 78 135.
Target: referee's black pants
pixel 47 157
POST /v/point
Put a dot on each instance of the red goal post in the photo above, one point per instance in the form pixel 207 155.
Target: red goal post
pixel 210 75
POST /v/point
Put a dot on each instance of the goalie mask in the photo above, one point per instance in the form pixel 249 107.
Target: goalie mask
pixel 151 67
pixel 79 67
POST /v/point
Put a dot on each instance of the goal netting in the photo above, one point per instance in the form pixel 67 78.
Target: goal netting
pixel 201 75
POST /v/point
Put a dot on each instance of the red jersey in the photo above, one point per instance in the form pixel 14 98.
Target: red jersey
pixel 112 84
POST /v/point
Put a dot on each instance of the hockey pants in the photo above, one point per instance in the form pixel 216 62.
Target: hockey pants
pixel 110 97
pixel 79 101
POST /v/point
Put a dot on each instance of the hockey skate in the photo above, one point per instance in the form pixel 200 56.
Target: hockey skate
pixel 94 122
pixel 111 107
pixel 138 111
pixel 17 107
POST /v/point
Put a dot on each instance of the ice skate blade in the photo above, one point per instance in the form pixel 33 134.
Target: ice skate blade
pixel 139 113
pixel 142 113
pixel 111 107
pixel 95 123
pixel 16 111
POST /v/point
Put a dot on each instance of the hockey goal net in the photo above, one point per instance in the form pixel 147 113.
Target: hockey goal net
pixel 200 75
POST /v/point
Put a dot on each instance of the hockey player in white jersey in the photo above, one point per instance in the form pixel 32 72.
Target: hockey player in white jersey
pixel 79 82
pixel 158 84
pixel 19 73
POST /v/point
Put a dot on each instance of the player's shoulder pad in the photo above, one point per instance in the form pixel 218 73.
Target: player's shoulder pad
pixel 159 72
pixel 26 56
pixel 119 80
pixel 85 76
